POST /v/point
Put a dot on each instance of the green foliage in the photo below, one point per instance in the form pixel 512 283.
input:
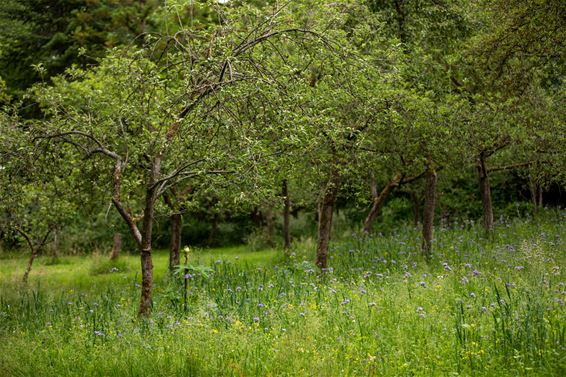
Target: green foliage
pixel 56 34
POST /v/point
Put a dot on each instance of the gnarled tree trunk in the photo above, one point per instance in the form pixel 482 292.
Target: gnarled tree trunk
pixel 428 213
pixel 485 191
pixel 325 211
pixel 379 201
pixel 146 238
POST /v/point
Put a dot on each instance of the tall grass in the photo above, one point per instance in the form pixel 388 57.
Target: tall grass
pixel 481 306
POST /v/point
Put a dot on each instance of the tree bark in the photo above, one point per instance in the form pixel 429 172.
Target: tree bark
pixel 116 246
pixel 379 201
pixel 175 247
pixel 34 254
pixel 325 211
pixel 146 240
pixel 286 216
pixel 485 190
pixel 428 213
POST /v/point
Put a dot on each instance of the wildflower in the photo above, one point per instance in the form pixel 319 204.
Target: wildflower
pixel 218 261
pixel 519 268
pixel 309 271
pixel 468 265
pixel 407 275
pixel 114 269
pixel 475 272
pixel 446 267
pixel 372 304
pixel 260 305
pixel 270 286
pixel 256 319
pixel 472 295
pixel 345 302
pixel 464 280
pixel 98 333
pixel 363 291
pixel 421 312
pixel 422 284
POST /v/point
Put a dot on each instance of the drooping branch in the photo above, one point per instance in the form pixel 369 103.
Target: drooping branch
pixel 101 148
pixel 116 200
pixel 26 236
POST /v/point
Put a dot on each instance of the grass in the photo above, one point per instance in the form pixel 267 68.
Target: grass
pixel 480 307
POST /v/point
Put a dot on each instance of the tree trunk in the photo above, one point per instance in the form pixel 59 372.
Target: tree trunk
pixel 146 240
pixel 485 190
pixel 175 249
pixel 428 213
pixel 286 213
pixel 34 254
pixel 116 246
pixel 34 250
pixel 379 201
pixel 325 210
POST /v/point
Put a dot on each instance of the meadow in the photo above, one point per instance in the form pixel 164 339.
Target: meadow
pixel 482 306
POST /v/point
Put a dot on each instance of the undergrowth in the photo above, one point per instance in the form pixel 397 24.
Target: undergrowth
pixel 483 306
